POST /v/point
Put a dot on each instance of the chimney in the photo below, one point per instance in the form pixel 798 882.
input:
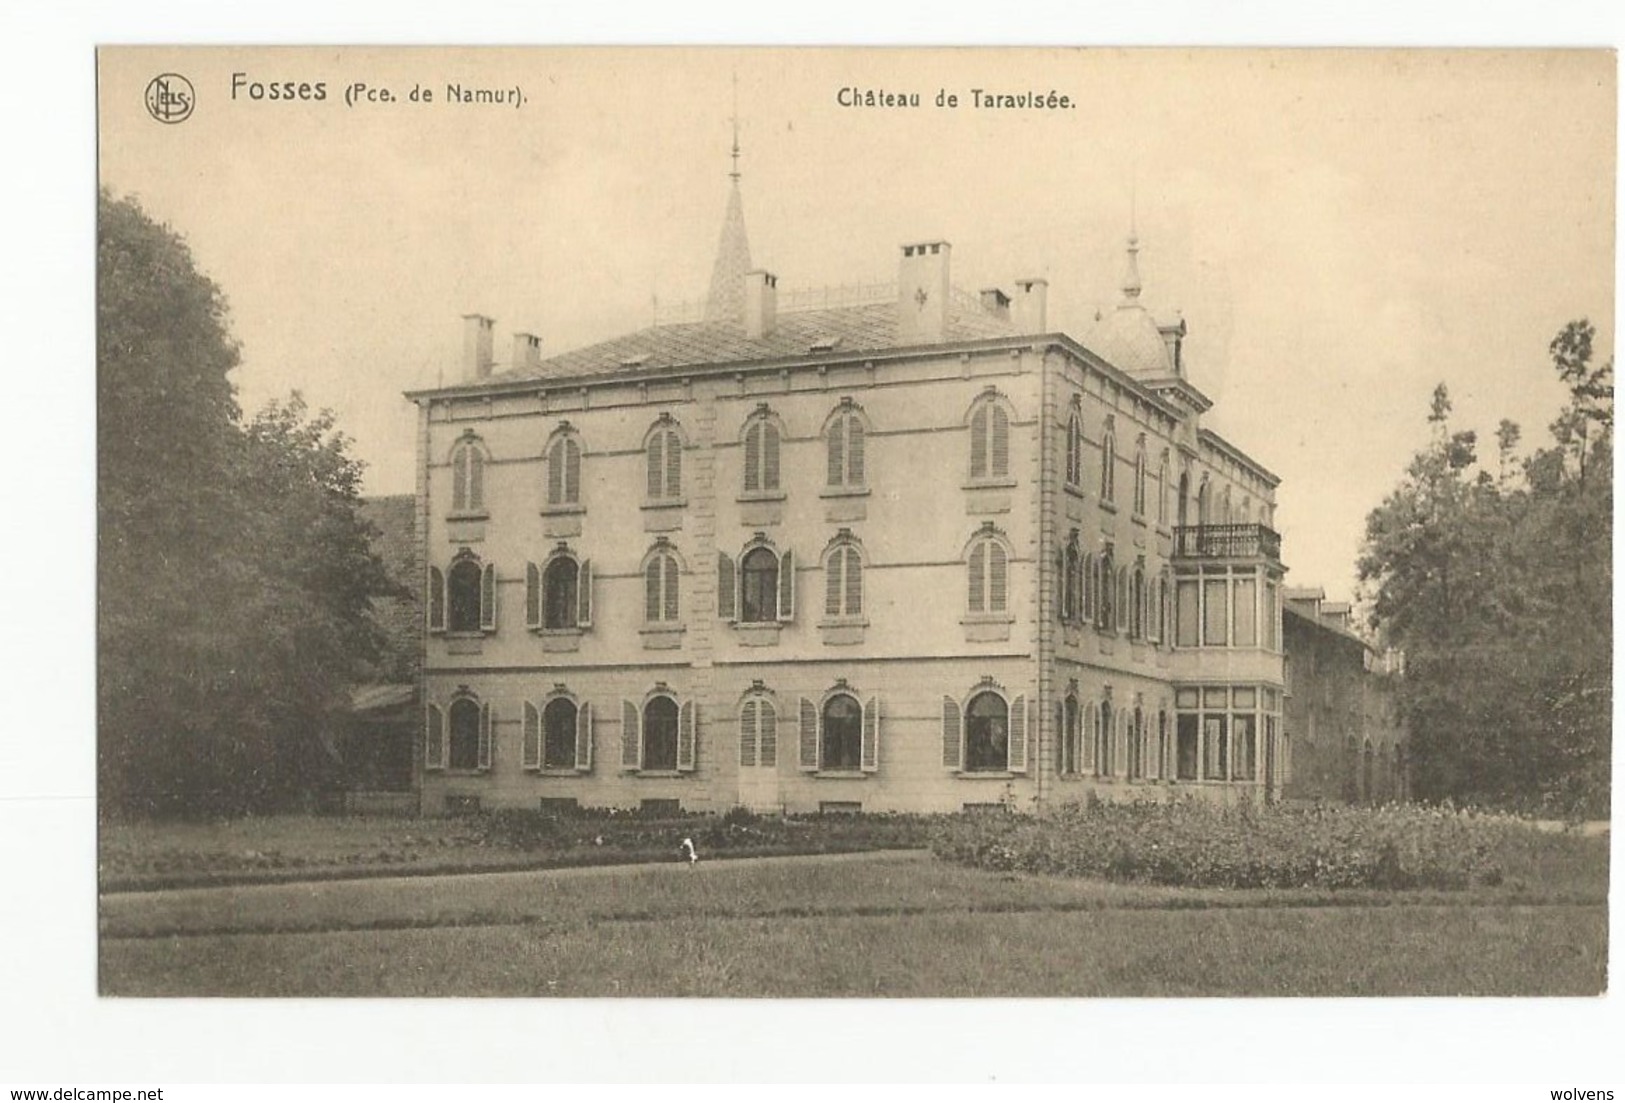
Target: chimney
pixel 996 302
pixel 527 351
pixel 1031 305
pixel 922 293
pixel 476 347
pixel 761 303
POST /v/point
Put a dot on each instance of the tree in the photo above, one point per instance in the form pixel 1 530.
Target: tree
pixel 234 571
pixel 1499 591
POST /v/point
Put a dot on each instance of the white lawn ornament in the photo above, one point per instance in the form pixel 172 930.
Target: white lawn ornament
pixel 687 849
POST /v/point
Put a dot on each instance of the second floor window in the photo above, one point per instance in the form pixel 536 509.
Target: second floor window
pixel 468 477
pixel 665 462
pixel 988 567
pixel 761 455
pixel 759 586
pixel 989 440
pixel 1108 466
pixel 660 587
pixel 1074 449
pixel 559 595
pixel 845 441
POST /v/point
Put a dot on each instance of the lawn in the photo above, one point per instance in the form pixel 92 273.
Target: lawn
pixel 895 925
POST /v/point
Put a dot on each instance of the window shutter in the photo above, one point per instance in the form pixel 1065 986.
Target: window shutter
pixel 584 737
pixel 832 582
pixel 1000 466
pixel 809 735
pixel 787 587
pixel 437 600
pixel 871 735
pixel 655 464
pixel 978 565
pixel 753 456
pixel 488 598
pixel 854 582
pixel 487 735
pixel 725 587
pixel 770 456
pixel 631 737
pixel 748 721
pixel 978 443
pixel 651 590
pixel 688 722
pixel 674 465
pixel 836 440
pixel 533 596
pixel 572 471
pixel 769 745
pixel 670 600
pixel 952 743
pixel 854 452
pixel 555 474
pixel 434 738
pixel 1018 734
pixel 530 750
pixel 584 594
pixel 997 581
pixel 476 478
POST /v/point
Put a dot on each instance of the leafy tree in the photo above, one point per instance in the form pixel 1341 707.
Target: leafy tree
pixel 1499 591
pixel 234 571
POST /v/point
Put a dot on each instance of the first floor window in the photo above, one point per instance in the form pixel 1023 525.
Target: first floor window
pixel 660 588
pixel 989 577
pixel 559 734
pixel 759 589
pixel 464 721
pixel 463 596
pixel 987 733
pixel 842 733
pixel 559 586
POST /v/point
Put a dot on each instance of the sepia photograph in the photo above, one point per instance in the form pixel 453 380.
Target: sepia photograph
pixel 745 522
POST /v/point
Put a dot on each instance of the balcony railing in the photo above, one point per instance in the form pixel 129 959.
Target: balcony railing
pixel 1227 542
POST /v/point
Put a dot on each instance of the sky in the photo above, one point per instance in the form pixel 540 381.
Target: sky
pixel 1341 230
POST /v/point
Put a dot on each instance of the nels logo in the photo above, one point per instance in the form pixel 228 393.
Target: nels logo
pixel 170 98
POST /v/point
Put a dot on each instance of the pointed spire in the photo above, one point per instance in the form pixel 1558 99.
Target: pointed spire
pixel 726 301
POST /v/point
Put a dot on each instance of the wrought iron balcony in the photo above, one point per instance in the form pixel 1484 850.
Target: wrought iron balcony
pixel 1227 542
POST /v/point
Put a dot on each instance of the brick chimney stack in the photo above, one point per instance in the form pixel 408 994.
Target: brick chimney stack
pixel 477 347
pixel 527 351
pixel 761 303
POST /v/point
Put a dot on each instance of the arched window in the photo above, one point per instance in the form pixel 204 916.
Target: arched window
pixel 987 732
pixel 1139 477
pixel 561 594
pixel 843 581
pixel 559 734
pixel 989 568
pixel 989 439
pixel 660 734
pixel 1136 744
pixel 841 733
pixel 1136 625
pixel 1088 576
pixel 1203 503
pixel 1162 489
pixel 1069 581
pixel 660 573
pixel 1071 750
pixel 468 475
pixel 759 586
pixel 564 468
pixel 1074 447
pixel 470 595
pixel 463 720
pixel 1227 515
pixel 758 732
pixel 1163 765
pixel 1105 598
pixel 761 453
pixel 664 457
pixel 1108 464
pixel 1104 756
pixel 844 437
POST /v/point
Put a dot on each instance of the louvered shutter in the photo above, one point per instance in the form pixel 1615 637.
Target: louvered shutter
pixel 476 478
pixel 651 590
pixel 809 735
pixel 572 471
pixel 533 596
pixel 488 598
pixel 770 456
pixel 669 570
pixel 997 577
pixel 631 737
pixel 871 735
pixel 584 594
pixel 753 456
pixel 837 449
pixel 584 737
pixel 1018 734
pixel 748 721
pixel 768 746
pixel 854 452
pixel 656 464
pixel 1000 466
pixel 688 723
pixel 555 474
pixel 832 582
pixel 726 595
pixel 978 443
pixel 978 568
pixel 953 749
pixel 437 600
pixel 487 736
pixel 674 465
pixel 787 587
pixel 434 738
pixel 530 750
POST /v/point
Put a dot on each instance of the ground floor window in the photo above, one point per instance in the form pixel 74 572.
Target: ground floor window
pixel 843 733
pixel 464 718
pixel 559 734
pixel 1217 731
pixel 660 734
pixel 987 726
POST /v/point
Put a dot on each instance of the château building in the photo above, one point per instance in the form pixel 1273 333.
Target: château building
pixel 904 549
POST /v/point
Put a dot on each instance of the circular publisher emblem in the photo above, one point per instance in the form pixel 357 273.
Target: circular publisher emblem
pixel 170 98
